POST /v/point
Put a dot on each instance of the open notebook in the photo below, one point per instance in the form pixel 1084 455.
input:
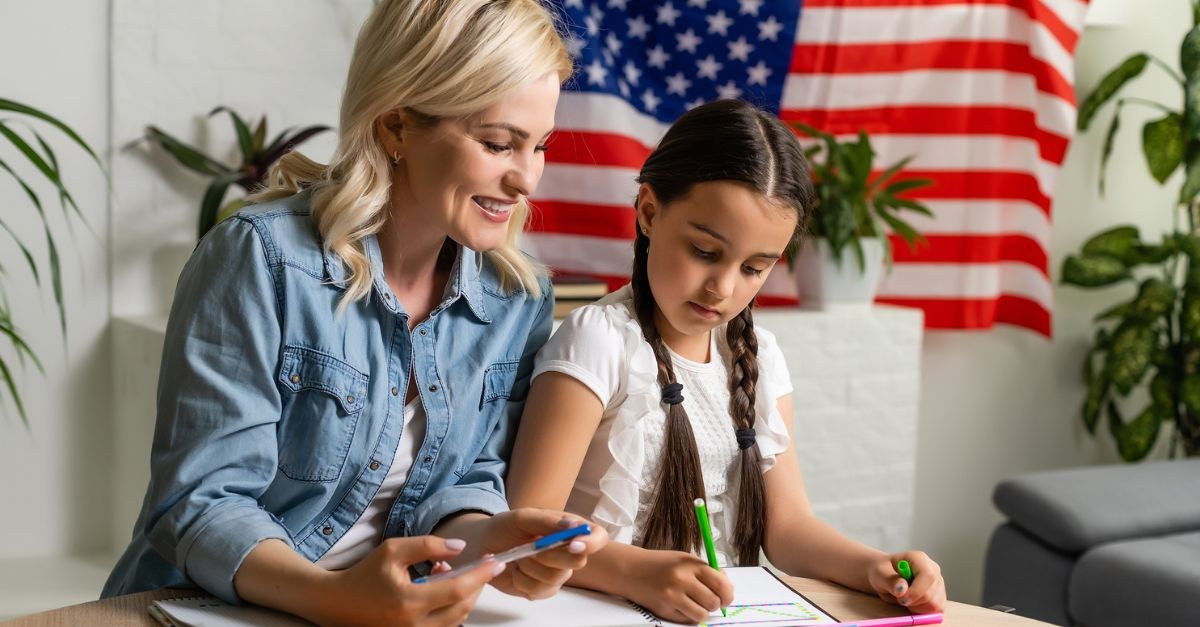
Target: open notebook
pixel 759 599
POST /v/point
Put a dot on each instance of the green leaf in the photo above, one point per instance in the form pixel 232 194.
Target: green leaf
pixel 16 107
pixel 1127 361
pixel 1093 271
pixel 1117 242
pixel 1189 314
pixel 6 374
pixel 245 137
pixel 284 145
pixel 1191 181
pixel 887 174
pixel 1136 438
pixel 1154 254
pixel 1109 86
pixel 260 134
pixel 1117 311
pixel 1109 140
pixel 189 157
pixel 1097 392
pixel 901 228
pixel 1156 298
pixel 900 187
pixel 211 202
pixel 1189 392
pixel 36 159
pixel 1189 61
pixel 1162 144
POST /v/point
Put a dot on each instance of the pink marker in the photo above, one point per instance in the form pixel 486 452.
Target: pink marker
pixel 895 621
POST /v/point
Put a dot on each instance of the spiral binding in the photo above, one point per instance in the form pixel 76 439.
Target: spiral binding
pixel 647 614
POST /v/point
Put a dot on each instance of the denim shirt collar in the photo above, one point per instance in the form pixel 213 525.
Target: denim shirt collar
pixel 465 277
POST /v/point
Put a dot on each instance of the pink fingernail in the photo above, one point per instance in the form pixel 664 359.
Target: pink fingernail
pixel 455 544
pixel 577 546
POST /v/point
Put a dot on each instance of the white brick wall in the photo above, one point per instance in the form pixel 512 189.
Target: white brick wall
pixel 856 375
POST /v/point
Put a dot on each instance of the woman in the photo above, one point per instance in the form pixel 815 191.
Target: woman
pixel 345 361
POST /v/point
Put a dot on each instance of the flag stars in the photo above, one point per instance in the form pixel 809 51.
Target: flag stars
pixel 687 41
pixel 678 84
pixel 667 14
pixel 729 91
pixel 617 4
pixel 575 46
pixel 638 27
pixel 578 4
pixel 657 57
pixel 632 73
pixel 624 88
pixel 650 101
pixel 596 72
pixel 695 103
pixel 740 49
pixel 613 43
pixel 719 23
pixel 758 74
pixel 708 68
pixel 597 12
pixel 770 29
pixel 749 7
pixel 592 25
pixel 703 4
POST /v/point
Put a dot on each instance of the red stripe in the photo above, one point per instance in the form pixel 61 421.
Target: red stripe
pixel 984 184
pixel 1065 35
pixel 589 148
pixel 972 120
pixel 972 249
pixel 615 282
pixel 939 55
pixel 979 313
pixel 553 216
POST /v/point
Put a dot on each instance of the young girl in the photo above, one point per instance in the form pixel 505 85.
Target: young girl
pixel 664 391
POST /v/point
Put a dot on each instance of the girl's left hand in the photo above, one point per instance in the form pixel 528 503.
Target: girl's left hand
pixel 927 593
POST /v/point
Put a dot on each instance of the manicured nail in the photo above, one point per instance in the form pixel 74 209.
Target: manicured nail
pixel 899 589
pixel 455 544
pixel 442 565
pixel 498 568
pixel 905 601
pixel 577 546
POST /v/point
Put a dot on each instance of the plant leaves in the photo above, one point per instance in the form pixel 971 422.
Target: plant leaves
pixel 260 134
pixel 1189 61
pixel 244 136
pixel 1109 86
pixel 1097 393
pixel 1127 361
pixel 269 156
pixel 16 107
pixel 1162 144
pixel 1156 299
pixel 1189 393
pixel 1117 311
pixel 211 202
pixel 1191 181
pixel 1117 242
pixel 1136 438
pixel 188 156
pixel 1093 270
pixel 1106 152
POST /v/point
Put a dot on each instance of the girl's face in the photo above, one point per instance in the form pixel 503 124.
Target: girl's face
pixel 466 175
pixel 710 252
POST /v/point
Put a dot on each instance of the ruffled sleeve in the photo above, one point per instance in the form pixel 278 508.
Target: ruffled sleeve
pixel 774 382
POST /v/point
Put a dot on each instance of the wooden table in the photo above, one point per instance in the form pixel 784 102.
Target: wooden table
pixel 845 604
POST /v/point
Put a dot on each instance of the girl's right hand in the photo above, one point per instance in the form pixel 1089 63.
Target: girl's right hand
pixel 378 591
pixel 678 586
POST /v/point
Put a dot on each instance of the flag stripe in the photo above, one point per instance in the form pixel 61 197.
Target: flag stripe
pixel 970 249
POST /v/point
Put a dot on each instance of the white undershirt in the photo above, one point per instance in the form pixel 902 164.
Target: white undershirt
pixel 367 532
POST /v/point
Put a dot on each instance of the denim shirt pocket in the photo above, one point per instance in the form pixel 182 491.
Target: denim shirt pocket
pixel 498 381
pixel 317 427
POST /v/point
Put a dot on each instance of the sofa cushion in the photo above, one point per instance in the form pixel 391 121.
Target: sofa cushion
pixel 1150 581
pixel 1079 508
pixel 1025 574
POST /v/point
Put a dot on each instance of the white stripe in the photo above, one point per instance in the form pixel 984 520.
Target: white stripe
pixel 983 217
pixel 1071 12
pixel 886 25
pixel 587 184
pixel 573 253
pixel 961 88
pixel 606 113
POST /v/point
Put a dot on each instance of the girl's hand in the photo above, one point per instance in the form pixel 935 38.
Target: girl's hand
pixel 378 591
pixel 539 576
pixel 678 586
pixel 927 593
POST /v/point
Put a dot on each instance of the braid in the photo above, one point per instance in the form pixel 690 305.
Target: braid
pixel 671 523
pixel 743 381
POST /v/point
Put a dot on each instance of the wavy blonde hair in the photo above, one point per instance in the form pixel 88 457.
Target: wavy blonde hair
pixel 438 59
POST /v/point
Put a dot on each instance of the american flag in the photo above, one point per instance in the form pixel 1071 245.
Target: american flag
pixel 981 91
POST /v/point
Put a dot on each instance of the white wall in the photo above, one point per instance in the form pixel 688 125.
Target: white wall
pixel 55 57
pixel 1004 402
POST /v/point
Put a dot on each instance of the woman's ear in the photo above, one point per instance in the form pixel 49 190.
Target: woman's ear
pixel 390 127
pixel 647 208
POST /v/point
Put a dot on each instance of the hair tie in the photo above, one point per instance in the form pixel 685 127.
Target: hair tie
pixel 745 438
pixel 673 393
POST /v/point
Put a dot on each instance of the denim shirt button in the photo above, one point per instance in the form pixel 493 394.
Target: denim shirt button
pixel 395 391
pixel 328 529
pixel 295 378
pixel 428 460
pixel 401 527
pixel 433 388
pixel 374 465
pixel 349 398
pixel 423 332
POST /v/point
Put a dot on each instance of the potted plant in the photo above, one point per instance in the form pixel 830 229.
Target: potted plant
pixel 1150 342
pixel 41 157
pixel 854 212
pixel 257 157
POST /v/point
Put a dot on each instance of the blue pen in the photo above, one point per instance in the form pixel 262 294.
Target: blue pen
pixel 556 539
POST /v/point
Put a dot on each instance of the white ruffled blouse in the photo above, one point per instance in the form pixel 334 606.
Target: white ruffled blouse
pixel 601 346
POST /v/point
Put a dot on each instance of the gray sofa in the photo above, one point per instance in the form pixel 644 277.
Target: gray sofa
pixel 1099 546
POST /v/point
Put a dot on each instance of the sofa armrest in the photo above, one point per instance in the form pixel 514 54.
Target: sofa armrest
pixel 1075 509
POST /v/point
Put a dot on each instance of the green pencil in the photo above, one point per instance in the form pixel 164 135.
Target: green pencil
pixel 706 534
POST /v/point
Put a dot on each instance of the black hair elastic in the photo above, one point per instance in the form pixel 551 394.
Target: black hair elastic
pixel 745 437
pixel 673 393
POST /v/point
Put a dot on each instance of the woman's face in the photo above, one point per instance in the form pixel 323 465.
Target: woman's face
pixel 466 174
pixel 710 252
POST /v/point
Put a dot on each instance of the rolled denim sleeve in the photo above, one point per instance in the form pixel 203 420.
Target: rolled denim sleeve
pixel 215 445
pixel 481 487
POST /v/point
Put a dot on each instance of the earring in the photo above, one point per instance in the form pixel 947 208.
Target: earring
pixel 396 158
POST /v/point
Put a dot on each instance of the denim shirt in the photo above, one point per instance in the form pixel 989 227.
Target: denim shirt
pixel 279 418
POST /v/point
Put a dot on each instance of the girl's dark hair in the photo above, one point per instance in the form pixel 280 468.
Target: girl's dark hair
pixel 725 140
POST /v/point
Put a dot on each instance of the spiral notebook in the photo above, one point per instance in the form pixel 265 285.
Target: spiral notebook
pixel 760 599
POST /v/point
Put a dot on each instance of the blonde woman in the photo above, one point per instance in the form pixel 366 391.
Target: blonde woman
pixel 346 359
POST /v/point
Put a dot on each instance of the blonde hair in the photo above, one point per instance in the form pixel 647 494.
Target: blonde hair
pixel 438 59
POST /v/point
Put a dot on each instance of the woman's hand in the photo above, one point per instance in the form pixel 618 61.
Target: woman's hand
pixel 378 591
pixel 678 586
pixel 927 593
pixel 539 576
